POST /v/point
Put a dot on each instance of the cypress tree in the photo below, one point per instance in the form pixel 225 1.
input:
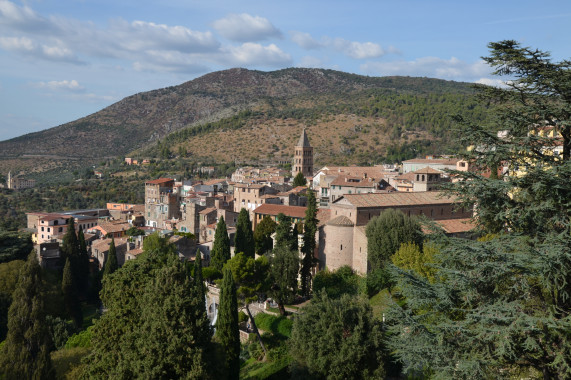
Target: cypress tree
pixel 263 235
pixel 111 264
pixel 83 267
pixel 70 245
pixel 244 241
pixel 299 180
pixel 70 296
pixel 284 232
pixel 227 331
pixel 25 354
pixel 308 249
pixel 221 246
pixel 198 280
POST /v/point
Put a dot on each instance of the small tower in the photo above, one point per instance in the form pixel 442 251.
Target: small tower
pixel 303 157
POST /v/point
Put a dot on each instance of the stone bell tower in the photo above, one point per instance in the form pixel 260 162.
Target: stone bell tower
pixel 303 157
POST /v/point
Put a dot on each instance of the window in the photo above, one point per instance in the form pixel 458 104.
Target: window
pixel 42 231
pixel 60 229
pixel 341 247
pixel 49 229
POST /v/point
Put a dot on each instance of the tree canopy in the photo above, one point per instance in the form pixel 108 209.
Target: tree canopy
pixel 244 238
pixel 308 249
pixel 221 246
pixel 263 235
pixel 500 307
pixel 227 332
pixel 299 180
pixel 284 269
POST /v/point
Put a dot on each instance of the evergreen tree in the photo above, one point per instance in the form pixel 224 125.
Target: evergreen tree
pixel 501 306
pixel 25 354
pixel 263 235
pixel 111 264
pixel 284 269
pixel 70 296
pixel 70 245
pixel 386 233
pixel 284 234
pixel 308 249
pixel 244 239
pixel 299 180
pixel 227 332
pixel 83 267
pixel 221 247
pixel 198 280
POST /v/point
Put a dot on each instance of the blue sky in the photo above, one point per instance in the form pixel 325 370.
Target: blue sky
pixel 64 59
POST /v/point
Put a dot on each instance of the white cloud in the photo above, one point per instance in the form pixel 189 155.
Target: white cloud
pixel 305 40
pixel 451 69
pixel 491 82
pixel 22 18
pixel 358 50
pixel 65 85
pixel 26 46
pixel 172 61
pixel 252 54
pixel 244 28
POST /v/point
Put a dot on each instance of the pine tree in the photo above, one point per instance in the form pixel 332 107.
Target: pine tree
pixel 308 249
pixel 25 354
pixel 227 332
pixel 70 296
pixel 244 240
pixel 221 247
pixel 501 306
pixel 111 264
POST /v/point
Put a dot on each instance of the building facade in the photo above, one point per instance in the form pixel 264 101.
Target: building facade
pixel 303 157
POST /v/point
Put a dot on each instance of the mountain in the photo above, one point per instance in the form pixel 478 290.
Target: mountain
pixel 261 107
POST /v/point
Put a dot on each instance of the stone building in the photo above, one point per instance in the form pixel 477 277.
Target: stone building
pixel 303 157
pixel 342 238
pixel 161 202
pixel 16 183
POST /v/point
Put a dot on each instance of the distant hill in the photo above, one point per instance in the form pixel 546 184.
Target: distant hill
pixel 244 115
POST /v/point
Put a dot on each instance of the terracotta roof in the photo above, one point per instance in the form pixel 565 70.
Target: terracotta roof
pixel 159 181
pixel 397 199
pixel 357 182
pixel 271 209
pixel 207 210
pixel 341 220
pixel 323 215
pixel 457 225
pixel 356 171
pixel 136 251
pixel 251 185
pixel 113 227
pixel 103 244
pixel 406 177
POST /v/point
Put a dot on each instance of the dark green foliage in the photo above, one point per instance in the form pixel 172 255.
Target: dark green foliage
pixel 81 339
pixel 299 180
pixel 134 231
pixel 9 273
pixel 210 274
pixel 198 276
pixel 386 233
pixel 70 246
pixel 337 283
pixel 83 265
pixel 338 339
pixel 155 242
pixel 263 235
pixel 69 289
pixel 377 280
pixel 308 249
pixel 286 234
pixel 111 264
pixel 60 331
pixel 500 306
pixel 155 325
pixel 25 354
pixel 244 239
pixel 221 248
pixel 14 246
pixel 284 269
pixel 227 324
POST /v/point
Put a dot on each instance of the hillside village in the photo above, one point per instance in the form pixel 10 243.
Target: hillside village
pixel 348 197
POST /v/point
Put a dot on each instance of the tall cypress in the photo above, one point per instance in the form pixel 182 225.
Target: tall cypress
pixel 70 296
pixel 83 264
pixel 70 244
pixel 111 264
pixel 308 249
pixel 198 280
pixel 227 332
pixel 244 241
pixel 283 231
pixel 25 353
pixel 221 246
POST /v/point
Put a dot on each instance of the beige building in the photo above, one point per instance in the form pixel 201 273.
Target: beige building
pixel 161 202
pixel 342 239
pixel 17 183
pixel 425 179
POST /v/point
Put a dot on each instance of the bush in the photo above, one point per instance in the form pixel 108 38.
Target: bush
pixel 242 317
pixel 276 325
pixel 82 339
pixel 335 284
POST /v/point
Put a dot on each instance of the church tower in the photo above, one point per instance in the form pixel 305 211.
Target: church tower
pixel 303 157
